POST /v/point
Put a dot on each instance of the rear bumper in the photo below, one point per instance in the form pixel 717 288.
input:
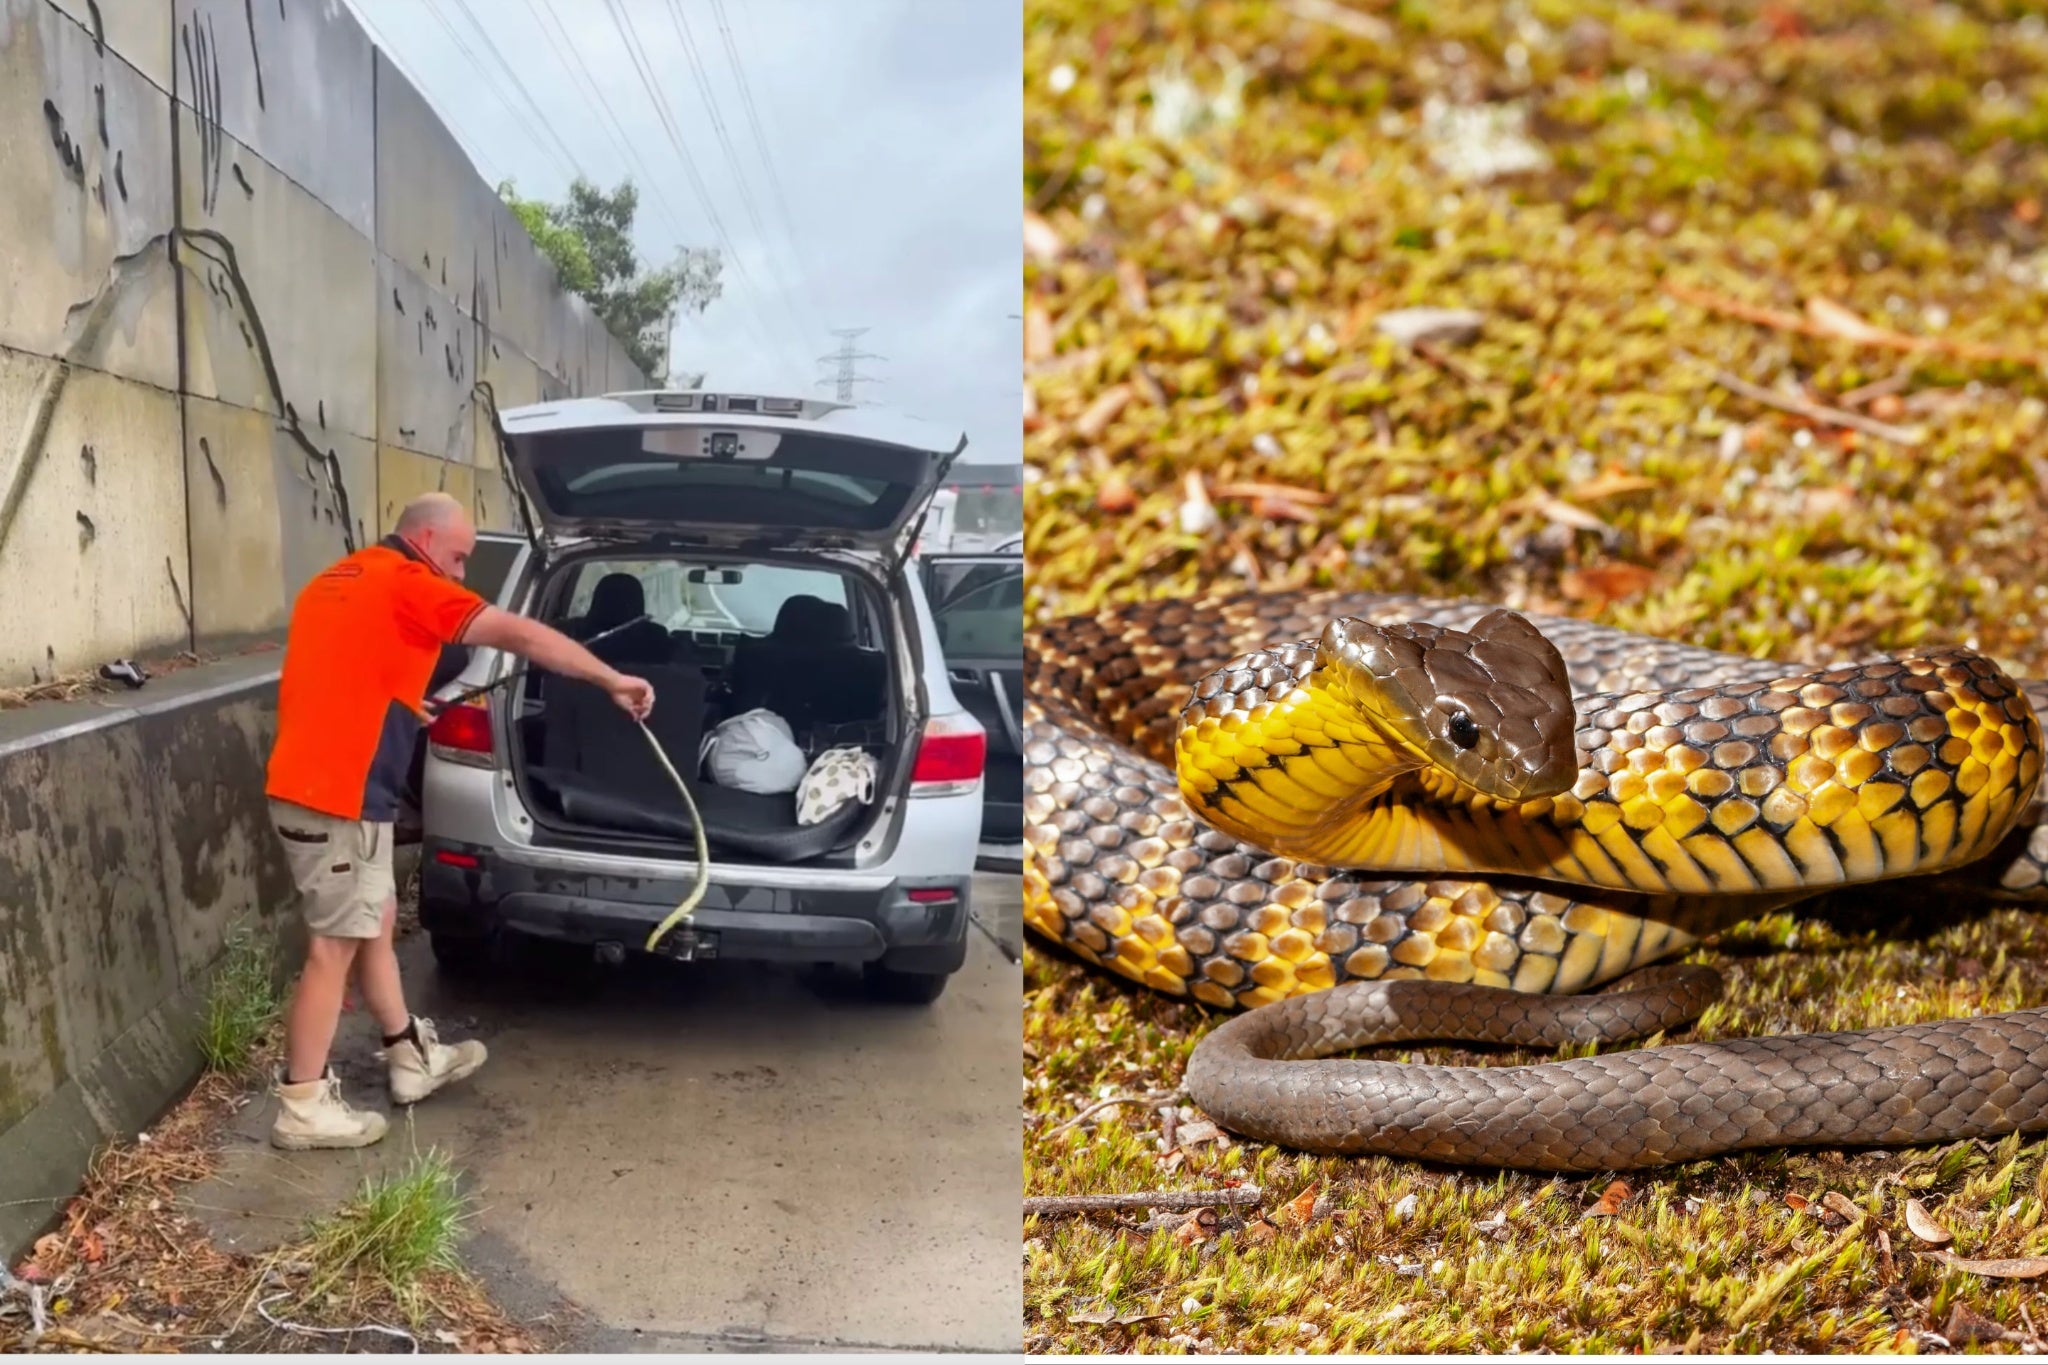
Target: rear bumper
pixel 848 927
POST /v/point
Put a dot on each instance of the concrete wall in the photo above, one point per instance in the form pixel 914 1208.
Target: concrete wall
pixel 132 837
pixel 248 284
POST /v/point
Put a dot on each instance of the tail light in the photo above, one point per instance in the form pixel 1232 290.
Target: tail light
pixel 950 757
pixel 462 734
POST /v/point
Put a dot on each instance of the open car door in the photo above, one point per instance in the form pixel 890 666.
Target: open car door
pixel 977 603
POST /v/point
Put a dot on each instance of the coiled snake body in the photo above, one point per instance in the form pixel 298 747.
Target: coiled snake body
pixel 1386 818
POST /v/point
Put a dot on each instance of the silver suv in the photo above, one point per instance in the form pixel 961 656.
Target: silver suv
pixel 741 552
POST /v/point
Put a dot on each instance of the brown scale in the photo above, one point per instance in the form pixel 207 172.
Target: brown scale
pixel 1119 872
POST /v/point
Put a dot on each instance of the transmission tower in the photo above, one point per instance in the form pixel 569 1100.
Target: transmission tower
pixel 845 357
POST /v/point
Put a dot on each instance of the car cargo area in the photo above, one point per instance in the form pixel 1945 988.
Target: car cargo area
pixel 806 643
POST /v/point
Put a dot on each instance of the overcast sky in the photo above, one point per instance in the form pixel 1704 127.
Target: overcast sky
pixel 893 127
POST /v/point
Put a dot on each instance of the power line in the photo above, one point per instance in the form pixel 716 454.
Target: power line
pixel 476 64
pixel 755 321
pixel 681 24
pixel 519 86
pixel 573 168
pixel 471 147
pixel 587 85
pixel 626 144
pixel 668 330
pixel 623 21
pixel 753 114
pixel 846 357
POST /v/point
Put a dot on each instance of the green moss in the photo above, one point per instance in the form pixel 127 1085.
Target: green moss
pixel 1706 1256
pixel 1885 158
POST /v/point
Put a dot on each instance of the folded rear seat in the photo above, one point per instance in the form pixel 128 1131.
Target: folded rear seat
pixel 603 772
pixel 747 823
pixel 810 670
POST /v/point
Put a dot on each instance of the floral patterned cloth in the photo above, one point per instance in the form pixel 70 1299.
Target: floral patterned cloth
pixel 837 777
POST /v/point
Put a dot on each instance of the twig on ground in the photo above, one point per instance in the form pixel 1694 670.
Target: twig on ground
pixel 1054 183
pixel 34 1294
pixel 1355 22
pixel 1877 388
pixel 1150 1097
pixel 1817 412
pixel 1862 334
pixel 69 1340
pixel 1177 1200
pixel 1451 365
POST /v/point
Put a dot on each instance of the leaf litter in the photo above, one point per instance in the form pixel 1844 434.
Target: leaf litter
pixel 127 1269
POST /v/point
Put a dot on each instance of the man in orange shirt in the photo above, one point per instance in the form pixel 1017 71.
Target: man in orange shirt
pixel 364 638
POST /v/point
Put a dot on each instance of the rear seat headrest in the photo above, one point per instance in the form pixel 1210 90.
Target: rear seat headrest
pixel 618 598
pixel 834 625
pixel 795 616
pixel 805 619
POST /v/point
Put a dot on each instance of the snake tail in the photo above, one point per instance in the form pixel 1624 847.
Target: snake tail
pixel 1914 1084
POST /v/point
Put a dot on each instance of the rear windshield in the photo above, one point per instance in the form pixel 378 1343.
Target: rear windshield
pixel 810 481
pixel 978 607
pixel 680 596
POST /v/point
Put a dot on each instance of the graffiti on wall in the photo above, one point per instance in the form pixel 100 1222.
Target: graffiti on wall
pixel 285 374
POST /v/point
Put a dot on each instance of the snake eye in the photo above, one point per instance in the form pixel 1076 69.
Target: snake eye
pixel 1464 730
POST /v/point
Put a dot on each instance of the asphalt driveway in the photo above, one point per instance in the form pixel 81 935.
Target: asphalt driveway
pixel 683 1157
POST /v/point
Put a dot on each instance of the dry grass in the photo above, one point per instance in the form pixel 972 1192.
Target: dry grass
pixel 128 1270
pixel 1223 198
pixel 72 686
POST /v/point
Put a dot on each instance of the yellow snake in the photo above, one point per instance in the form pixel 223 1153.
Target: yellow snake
pixel 1451 811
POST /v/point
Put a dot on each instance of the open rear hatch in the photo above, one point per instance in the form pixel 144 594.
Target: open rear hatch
pixel 726 470
pixel 730 475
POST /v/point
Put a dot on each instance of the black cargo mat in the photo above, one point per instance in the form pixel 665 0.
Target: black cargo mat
pixel 759 826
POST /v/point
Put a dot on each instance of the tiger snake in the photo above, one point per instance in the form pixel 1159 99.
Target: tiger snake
pixel 1370 818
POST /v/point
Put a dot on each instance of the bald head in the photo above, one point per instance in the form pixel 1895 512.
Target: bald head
pixel 431 510
pixel 438 526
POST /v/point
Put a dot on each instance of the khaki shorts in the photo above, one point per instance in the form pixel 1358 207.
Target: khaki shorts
pixel 342 868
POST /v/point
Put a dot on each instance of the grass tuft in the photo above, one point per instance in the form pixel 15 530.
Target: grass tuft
pixel 243 1005
pixel 398 1228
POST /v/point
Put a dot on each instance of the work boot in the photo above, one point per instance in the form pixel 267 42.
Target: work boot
pixel 420 1068
pixel 312 1114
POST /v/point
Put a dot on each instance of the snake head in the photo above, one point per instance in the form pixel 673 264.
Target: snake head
pixel 1490 706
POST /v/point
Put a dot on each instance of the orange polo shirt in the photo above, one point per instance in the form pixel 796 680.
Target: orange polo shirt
pixel 364 637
